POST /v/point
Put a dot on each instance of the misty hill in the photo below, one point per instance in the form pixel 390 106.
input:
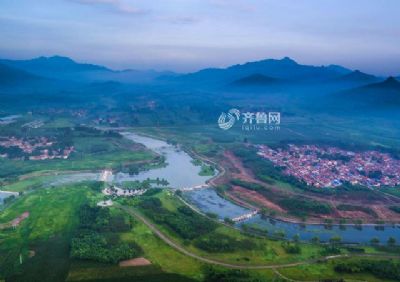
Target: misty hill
pixel 285 68
pixel 390 84
pixel 357 76
pixel 11 76
pixel 64 68
pixel 46 65
pixel 386 93
pixel 255 80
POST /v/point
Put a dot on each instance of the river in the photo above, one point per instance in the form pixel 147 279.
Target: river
pixel 180 172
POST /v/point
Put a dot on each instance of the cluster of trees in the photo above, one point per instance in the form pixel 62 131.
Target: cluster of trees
pixel 216 243
pixel 291 247
pixel 385 269
pixel 100 220
pixel 333 247
pixel 248 185
pixel 13 152
pixel 95 246
pixel 302 207
pixel 207 170
pixel 185 222
pixel 96 237
pixel 90 131
pixel 212 274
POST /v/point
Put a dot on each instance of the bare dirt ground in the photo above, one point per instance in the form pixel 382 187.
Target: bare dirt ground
pixel 15 222
pixel 236 169
pixel 354 214
pixel 384 212
pixel 255 197
pixel 134 262
pixel 240 171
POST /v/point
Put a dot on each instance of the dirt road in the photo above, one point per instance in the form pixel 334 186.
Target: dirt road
pixel 182 250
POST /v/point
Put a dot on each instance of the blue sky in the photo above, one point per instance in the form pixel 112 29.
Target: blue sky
pixel 186 35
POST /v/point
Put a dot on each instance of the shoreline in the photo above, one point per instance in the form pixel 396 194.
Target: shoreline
pixel 222 172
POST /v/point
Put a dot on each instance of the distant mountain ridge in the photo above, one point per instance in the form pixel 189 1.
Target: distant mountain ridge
pixel 64 68
pixel 11 76
pixel 285 68
pixel 385 93
pixel 54 63
pixel 357 76
pixel 389 84
pixel 257 73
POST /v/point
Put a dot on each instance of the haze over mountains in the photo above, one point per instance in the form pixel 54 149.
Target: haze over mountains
pixel 10 75
pixel 64 68
pixel 268 77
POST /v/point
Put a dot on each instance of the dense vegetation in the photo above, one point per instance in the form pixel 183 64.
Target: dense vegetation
pixel 248 185
pixel 385 269
pixel 303 206
pixel 185 222
pixel 96 239
pixel 216 242
pixel 95 246
pixel 217 275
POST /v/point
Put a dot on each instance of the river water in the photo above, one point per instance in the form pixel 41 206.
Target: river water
pixel 180 172
pixel 6 194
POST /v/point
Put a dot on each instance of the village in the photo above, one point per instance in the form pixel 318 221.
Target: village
pixel 38 148
pixel 331 167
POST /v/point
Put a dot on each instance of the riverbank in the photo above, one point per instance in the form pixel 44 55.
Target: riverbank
pixel 180 161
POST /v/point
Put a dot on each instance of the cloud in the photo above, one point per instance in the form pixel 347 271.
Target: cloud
pixel 116 5
pixel 181 20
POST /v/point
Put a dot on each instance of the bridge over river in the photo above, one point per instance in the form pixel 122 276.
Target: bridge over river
pixel 197 187
pixel 245 216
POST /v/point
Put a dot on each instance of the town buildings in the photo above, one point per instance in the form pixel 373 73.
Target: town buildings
pixel 321 166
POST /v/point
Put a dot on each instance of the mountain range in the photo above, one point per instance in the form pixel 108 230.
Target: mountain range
pixel 285 68
pixel 64 68
pixel 347 84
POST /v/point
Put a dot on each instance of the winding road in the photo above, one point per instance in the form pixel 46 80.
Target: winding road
pixel 171 243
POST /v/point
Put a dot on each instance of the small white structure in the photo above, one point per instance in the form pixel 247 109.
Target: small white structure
pixel 106 175
pixel 116 191
pixel 197 187
pixel 107 203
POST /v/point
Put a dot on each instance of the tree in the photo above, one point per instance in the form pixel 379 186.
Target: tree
pixel 229 221
pixel 374 241
pixel 335 241
pixel 391 242
pixel 315 240
pixel 264 213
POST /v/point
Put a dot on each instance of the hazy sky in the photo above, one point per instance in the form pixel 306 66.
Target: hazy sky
pixel 186 35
